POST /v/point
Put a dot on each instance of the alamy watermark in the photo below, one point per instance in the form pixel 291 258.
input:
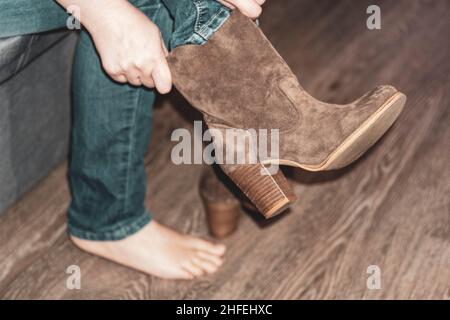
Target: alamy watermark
pixel 73 281
pixel 73 21
pixel 227 146
pixel 374 20
pixel 374 280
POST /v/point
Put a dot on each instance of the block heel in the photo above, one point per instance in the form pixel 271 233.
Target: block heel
pixel 222 207
pixel 271 194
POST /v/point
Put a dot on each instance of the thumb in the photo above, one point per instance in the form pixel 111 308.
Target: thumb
pixel 162 77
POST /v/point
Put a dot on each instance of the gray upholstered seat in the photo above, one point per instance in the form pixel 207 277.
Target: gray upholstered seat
pixel 34 109
pixel 17 52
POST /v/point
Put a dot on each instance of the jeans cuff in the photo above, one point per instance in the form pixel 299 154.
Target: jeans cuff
pixel 204 30
pixel 117 233
pixel 210 16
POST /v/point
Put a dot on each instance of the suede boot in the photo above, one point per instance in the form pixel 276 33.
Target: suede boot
pixel 239 81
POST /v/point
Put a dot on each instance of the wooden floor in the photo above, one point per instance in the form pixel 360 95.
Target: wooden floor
pixel 390 209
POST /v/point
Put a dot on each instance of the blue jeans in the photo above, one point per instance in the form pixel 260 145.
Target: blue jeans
pixel 112 122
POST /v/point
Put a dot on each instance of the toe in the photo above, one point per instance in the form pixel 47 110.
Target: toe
pixel 215 249
pixel 194 269
pixel 184 275
pixel 206 265
pixel 212 258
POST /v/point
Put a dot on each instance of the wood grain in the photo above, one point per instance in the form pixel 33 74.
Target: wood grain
pixel 390 209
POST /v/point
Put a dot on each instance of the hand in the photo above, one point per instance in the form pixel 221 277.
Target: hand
pixel 250 8
pixel 130 46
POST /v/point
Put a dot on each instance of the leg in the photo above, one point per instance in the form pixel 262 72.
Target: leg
pixel 112 126
pixel 111 131
pixel 107 216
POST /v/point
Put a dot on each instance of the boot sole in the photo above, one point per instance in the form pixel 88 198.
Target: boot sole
pixel 361 139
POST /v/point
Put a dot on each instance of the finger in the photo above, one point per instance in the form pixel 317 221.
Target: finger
pixel 226 4
pixel 162 77
pixel 260 2
pixel 148 81
pixel 135 81
pixel 166 52
pixel 133 77
pixel 146 76
pixel 119 78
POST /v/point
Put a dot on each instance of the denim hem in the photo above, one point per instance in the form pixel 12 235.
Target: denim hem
pixel 119 233
pixel 204 26
pixel 213 24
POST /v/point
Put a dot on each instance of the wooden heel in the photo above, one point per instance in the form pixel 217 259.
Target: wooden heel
pixel 271 194
pixel 222 207
pixel 222 218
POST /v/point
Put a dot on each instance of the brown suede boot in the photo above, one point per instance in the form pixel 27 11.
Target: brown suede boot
pixel 223 209
pixel 238 80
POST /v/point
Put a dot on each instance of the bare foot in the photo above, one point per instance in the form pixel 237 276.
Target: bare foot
pixel 160 251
